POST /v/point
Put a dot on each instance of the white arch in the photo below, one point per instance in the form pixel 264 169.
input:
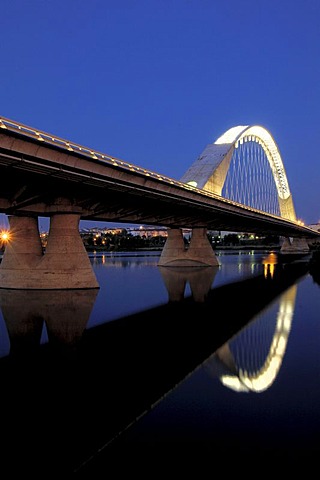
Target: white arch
pixel 210 169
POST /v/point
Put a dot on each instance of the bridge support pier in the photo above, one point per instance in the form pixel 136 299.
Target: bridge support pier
pixel 199 252
pixel 65 265
pixel 295 246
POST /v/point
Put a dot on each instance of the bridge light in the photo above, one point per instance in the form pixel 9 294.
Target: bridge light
pixel 39 137
pixel 2 125
pixel 4 237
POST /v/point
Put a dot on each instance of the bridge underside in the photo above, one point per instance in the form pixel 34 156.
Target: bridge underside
pixel 45 191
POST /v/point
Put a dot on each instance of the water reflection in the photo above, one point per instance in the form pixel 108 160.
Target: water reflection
pixel 124 259
pixel 269 263
pixel 176 279
pixel 314 266
pixel 121 369
pixel 36 316
pixel 185 334
pixel 252 360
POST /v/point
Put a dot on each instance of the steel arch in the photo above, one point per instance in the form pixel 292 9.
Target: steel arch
pixel 210 169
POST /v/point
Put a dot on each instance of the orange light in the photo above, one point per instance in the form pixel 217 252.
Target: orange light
pixel 269 265
pixel 4 236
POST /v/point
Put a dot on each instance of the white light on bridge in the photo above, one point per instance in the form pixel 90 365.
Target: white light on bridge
pixel 39 137
pixel 192 184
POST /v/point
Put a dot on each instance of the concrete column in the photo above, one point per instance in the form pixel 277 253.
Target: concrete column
pixel 66 264
pixel 174 248
pixel 200 249
pixel 199 253
pixel 295 246
pixel 23 253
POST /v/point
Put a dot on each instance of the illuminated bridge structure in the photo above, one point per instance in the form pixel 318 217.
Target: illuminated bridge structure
pixel 43 175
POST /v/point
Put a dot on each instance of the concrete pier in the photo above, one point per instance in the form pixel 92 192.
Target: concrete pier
pixel 65 264
pixel 295 245
pixel 199 253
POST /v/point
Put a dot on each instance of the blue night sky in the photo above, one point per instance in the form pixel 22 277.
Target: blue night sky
pixel 153 82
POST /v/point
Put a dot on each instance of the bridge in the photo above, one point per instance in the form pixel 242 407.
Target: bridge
pixel 43 175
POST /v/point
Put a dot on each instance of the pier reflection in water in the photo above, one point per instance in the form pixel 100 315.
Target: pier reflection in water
pixel 199 279
pixel 85 374
pixel 33 317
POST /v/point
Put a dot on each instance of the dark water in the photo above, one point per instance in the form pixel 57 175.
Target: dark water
pixel 192 366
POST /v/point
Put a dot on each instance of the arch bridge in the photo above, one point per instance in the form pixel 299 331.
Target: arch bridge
pixel 43 175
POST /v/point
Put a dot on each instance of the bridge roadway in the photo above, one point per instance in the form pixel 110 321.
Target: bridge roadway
pixel 43 175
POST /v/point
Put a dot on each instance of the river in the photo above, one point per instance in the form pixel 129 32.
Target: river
pixel 168 364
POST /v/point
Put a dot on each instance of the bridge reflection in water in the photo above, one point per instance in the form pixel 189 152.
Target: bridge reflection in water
pixel 67 399
pixel 246 367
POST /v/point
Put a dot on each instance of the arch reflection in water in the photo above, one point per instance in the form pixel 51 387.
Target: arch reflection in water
pixel 251 361
pixel 176 279
pixel 62 313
